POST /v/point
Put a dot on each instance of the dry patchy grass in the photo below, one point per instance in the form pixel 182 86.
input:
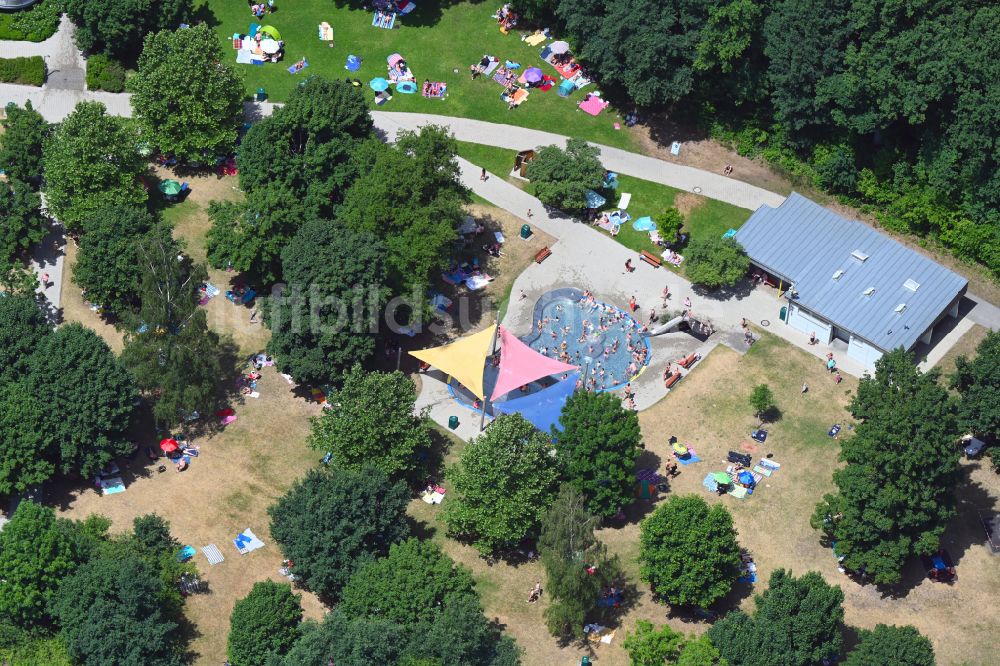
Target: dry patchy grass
pixel 241 471
pixel 965 346
pixel 709 409
pixel 76 308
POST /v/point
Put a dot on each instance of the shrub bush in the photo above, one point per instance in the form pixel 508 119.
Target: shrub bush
pixel 103 73
pixel 26 71
pixel 33 25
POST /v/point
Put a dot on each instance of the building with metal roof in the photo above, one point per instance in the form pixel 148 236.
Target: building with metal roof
pixel 845 280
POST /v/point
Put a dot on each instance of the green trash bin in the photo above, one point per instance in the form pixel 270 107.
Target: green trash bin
pixel 261 95
pixel 452 422
pixel 585 661
pixel 525 231
pixel 783 313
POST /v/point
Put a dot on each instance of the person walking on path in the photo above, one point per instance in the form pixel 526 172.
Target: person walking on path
pixel 628 266
pixel 482 176
pixel 45 280
pixel 529 214
pixel 666 294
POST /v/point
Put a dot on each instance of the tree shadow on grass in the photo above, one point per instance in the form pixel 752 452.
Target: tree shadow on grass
pixel 204 14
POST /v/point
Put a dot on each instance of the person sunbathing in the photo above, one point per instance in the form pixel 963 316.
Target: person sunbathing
pixel 181 465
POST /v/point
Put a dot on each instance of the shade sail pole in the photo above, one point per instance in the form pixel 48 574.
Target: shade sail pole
pixel 493 349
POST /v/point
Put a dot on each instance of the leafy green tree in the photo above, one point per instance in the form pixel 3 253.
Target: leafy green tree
pixel 110 253
pixel 18 279
pixel 169 348
pixel 728 33
pixel 598 446
pixel 413 581
pixel 117 27
pixel 109 612
pixel 761 400
pixel 347 642
pixel 373 424
pixel 716 262
pixel 805 52
pixel 24 134
pixel 617 40
pixel 797 622
pixel 88 396
pixel 37 552
pixel 307 143
pixel 901 646
pixel 91 160
pixel 249 236
pixel 153 532
pixel 22 326
pixel 323 527
pixel 322 324
pixel 977 381
pixel 22 225
pixel 895 495
pixel 502 485
pixel 26 448
pixel 577 566
pixel 561 178
pixel 688 551
pixel 649 646
pixel 263 624
pixel 460 635
pixel 409 195
pixel 188 98
pixel 700 652
pixel 669 223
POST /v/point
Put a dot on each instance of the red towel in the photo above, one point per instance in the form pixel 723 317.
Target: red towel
pixel 228 411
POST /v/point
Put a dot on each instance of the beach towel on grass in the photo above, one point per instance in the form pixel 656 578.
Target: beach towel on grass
pixel 244 57
pixel 535 39
pixel 477 282
pixel 494 63
pixel 247 541
pixel 593 105
pixel 214 555
pixel 625 200
pixel 112 486
pixel 453 277
pixel 295 69
pixel 690 460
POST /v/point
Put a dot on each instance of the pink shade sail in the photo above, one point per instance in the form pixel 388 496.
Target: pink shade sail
pixel 520 365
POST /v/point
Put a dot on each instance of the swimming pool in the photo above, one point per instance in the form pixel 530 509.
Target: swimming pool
pixel 606 342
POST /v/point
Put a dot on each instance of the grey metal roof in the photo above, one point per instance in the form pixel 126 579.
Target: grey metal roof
pixel 806 243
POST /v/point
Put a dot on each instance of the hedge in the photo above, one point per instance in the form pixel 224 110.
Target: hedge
pixel 103 73
pixel 35 24
pixel 26 71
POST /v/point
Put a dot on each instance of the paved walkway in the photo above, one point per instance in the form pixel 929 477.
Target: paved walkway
pixel 706 183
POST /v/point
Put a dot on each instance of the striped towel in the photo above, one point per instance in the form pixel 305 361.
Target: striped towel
pixel 213 554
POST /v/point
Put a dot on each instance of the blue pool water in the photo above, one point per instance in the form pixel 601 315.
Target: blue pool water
pixel 606 342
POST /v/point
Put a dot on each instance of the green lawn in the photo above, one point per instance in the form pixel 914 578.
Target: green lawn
pixel 708 218
pixel 438 42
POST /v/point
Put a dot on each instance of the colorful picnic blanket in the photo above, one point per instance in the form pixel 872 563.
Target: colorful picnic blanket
pixel 593 105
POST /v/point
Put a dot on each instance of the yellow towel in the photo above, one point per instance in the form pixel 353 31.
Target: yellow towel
pixel 535 39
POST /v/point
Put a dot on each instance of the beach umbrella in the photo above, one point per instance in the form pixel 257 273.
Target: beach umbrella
pixel 170 187
pixel 393 59
pixel 272 31
pixel 559 47
pixel 722 478
pixel 269 46
pixel 746 478
pixel 533 75
pixel 353 63
pixel 594 200
pixel 378 84
pixel 168 445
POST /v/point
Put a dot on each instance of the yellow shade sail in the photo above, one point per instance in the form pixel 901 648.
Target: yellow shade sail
pixel 463 359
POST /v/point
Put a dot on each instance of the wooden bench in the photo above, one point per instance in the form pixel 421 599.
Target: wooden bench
pixel 689 361
pixel 543 254
pixel 672 379
pixel 651 259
